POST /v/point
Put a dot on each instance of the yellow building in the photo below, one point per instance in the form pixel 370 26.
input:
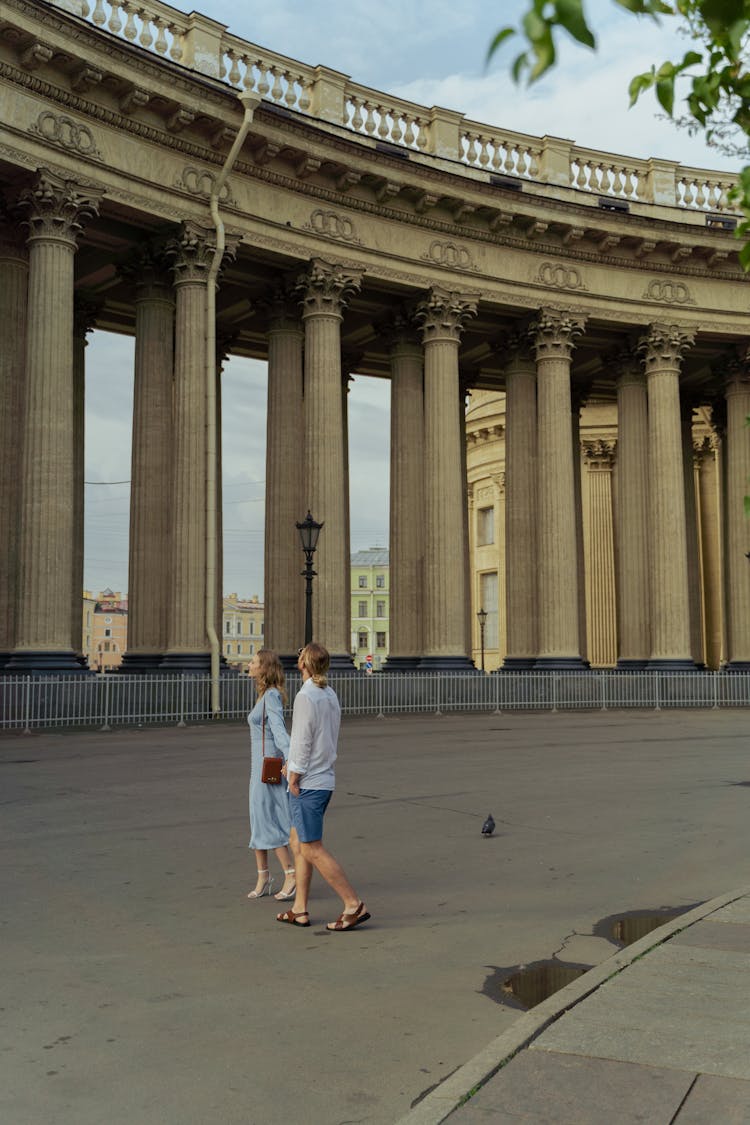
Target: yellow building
pixel 370 606
pixel 243 627
pixel 105 629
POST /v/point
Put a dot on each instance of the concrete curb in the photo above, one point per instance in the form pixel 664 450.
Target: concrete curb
pixel 441 1102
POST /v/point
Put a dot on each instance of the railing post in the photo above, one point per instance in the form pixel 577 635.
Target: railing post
pixel 438 681
pixel 381 714
pixel 603 682
pixel 181 720
pixel 27 704
pixel 661 182
pixel 105 725
pixel 202 44
pixel 657 691
pixel 444 133
pixel 554 165
pixel 554 691
pixel 716 690
pixel 329 95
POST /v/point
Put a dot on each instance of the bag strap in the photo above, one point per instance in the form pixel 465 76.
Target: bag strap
pixel 263 731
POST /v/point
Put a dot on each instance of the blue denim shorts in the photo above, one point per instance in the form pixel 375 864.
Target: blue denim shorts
pixel 307 812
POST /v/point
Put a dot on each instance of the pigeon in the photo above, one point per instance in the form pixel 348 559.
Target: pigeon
pixel 489 826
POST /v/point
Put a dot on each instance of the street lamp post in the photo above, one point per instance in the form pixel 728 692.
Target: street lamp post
pixel 482 618
pixel 309 531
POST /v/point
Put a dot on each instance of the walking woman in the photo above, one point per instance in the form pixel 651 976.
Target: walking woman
pixel 269 804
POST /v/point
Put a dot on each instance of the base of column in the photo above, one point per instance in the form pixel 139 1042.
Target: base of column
pixel 737 666
pixel 667 665
pixel 517 664
pixel 196 662
pixel 446 664
pixel 401 663
pixel 139 662
pixel 340 662
pixel 63 662
pixel 631 665
pixel 5 658
pixel 561 664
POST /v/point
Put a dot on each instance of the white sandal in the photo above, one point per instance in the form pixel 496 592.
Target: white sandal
pixel 265 889
pixel 282 896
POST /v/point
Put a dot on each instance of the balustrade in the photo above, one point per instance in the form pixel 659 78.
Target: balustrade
pixel 202 44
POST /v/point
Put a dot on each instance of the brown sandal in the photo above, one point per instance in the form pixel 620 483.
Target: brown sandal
pixel 291 918
pixel 349 921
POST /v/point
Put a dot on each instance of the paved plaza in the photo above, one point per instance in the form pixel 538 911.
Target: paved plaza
pixel 141 986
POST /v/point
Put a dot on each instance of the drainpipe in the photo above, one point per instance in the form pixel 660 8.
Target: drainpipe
pixel 250 103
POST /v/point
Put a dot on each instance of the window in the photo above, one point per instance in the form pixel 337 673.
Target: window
pixel 485 526
pixel 362 639
pixel 239 626
pixel 380 581
pixel 363 581
pixel 239 648
pixel 261 629
pixel 380 609
pixel 362 609
pixel 380 640
pixel 488 588
pixel 228 627
pixel 107 632
pixel 252 650
pixel 252 627
pixel 106 646
pixel 88 618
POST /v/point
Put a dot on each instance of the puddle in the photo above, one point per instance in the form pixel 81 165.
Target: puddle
pixel 525 986
pixel 628 928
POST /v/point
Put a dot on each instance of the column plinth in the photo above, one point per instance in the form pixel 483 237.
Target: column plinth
pixel 446 629
pixel 56 210
pixel 663 348
pixel 325 289
pixel 555 332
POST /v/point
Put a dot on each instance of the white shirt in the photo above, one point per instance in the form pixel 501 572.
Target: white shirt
pixel 316 718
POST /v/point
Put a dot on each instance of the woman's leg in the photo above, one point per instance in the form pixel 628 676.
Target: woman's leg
pixel 287 866
pixel 261 862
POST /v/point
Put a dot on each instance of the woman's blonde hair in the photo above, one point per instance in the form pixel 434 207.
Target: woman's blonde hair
pixel 316 660
pixel 270 673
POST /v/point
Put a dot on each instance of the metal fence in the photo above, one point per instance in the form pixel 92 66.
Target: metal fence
pixel 105 701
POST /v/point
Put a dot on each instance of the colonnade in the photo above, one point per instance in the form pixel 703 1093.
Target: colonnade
pixel 41 444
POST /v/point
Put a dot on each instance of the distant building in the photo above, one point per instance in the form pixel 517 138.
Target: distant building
pixel 242 629
pixel 370 606
pixel 105 629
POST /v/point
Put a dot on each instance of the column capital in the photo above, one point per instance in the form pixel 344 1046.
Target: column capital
pixel 56 208
pixel 326 287
pixel 443 314
pixel 226 339
pixel 516 346
pixel 626 364
pixel 401 333
pixel 192 250
pixel 147 267
pixel 664 345
pixel 281 306
pixel 599 455
pixel 85 312
pixel 554 333
pixel 737 370
pixel 12 240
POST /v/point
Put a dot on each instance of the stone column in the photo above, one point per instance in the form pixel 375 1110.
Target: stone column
pixel 188 647
pixel 151 488
pixel 555 331
pixel 520 505
pixel 691 530
pixel 325 288
pixel 577 401
pixel 55 212
pixel 84 320
pixel 407 499
pixel 709 523
pixel 663 347
pixel 442 316
pixel 633 601
pixel 599 457
pixel 498 480
pixel 737 523
pixel 14 276
pixel 285 499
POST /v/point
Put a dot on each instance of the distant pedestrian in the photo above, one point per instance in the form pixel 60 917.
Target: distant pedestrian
pixel 310 774
pixel 269 804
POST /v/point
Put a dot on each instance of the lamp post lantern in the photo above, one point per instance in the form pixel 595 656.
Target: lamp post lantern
pixel 482 618
pixel 309 530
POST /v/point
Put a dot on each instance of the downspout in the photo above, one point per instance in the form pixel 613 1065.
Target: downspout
pixel 250 102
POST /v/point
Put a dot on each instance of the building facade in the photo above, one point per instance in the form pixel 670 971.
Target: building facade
pixel 370 607
pixel 367 234
pixel 243 628
pixel 105 632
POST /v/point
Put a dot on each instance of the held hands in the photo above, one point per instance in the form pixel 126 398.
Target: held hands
pixel 293 779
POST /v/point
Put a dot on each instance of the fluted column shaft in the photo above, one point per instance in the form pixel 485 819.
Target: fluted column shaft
pixel 663 348
pixel 55 211
pixel 712 581
pixel 559 645
pixel 446 633
pixel 406 503
pixel 149 580
pixel 600 568
pixel 325 288
pixel 520 510
pixel 691 532
pixel 188 645
pixel 576 402
pixel 738 527
pixel 285 442
pixel 633 603
pixel 14 277
pixel 83 322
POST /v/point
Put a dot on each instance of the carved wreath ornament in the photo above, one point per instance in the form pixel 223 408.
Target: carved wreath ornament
pixel 332 225
pixel 59 129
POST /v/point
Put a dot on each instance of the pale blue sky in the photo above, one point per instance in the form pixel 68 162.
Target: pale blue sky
pixel 431 52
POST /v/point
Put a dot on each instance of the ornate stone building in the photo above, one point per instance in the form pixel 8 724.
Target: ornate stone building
pixel 161 177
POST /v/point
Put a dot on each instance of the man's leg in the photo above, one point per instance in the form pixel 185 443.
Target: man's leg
pixel 328 866
pixel 304 874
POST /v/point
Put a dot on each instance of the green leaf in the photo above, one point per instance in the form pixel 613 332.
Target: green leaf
pixel 665 94
pixel 638 84
pixel 503 34
pixel 570 15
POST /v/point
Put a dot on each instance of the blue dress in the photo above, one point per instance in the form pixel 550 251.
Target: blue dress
pixel 269 804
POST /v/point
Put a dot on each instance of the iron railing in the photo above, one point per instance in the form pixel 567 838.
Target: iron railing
pixel 109 700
